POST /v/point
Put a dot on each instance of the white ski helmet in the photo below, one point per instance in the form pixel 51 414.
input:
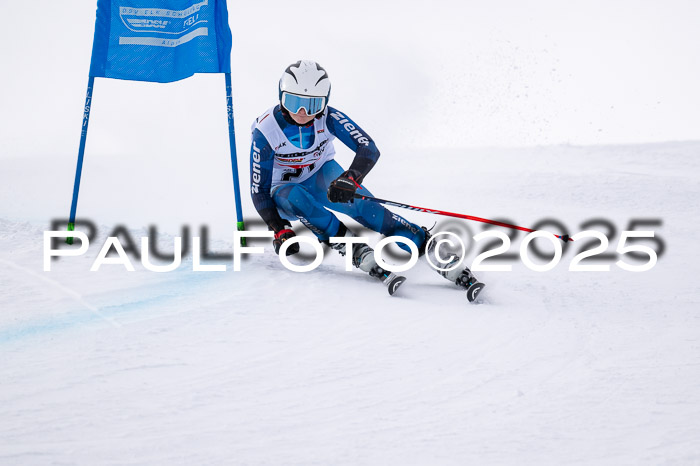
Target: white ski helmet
pixel 304 84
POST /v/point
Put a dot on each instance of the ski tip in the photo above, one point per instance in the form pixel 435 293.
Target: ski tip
pixel 394 284
pixel 474 290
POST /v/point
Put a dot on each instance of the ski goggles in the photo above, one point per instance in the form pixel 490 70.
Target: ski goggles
pixel 312 105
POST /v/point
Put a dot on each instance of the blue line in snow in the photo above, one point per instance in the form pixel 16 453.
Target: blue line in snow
pixel 158 295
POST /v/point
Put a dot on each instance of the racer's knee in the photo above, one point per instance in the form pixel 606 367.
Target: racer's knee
pixel 294 199
pixel 414 234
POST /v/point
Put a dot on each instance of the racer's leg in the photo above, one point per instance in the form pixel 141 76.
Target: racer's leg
pixel 367 213
pixel 294 201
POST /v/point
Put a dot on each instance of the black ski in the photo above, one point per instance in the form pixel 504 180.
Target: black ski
pixel 393 282
pixel 389 279
pixel 474 290
pixel 468 281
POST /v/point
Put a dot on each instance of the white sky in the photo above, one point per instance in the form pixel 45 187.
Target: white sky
pixel 426 74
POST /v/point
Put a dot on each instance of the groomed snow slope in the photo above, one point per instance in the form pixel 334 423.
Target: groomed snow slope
pixel 265 366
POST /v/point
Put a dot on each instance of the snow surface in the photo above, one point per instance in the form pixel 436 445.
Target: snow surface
pixel 265 366
pixel 269 367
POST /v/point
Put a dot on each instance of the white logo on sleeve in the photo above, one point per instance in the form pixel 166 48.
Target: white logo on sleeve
pixel 350 128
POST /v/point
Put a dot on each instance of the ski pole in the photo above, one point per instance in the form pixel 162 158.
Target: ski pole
pixel 564 238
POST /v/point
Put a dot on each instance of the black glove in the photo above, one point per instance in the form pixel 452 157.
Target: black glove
pixel 282 236
pixel 343 188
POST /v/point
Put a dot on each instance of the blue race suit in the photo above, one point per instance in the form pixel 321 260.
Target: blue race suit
pixel 283 191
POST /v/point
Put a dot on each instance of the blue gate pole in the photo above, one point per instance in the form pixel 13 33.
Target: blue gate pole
pixel 81 155
pixel 234 160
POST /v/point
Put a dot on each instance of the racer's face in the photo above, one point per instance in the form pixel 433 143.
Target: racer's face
pixel 301 118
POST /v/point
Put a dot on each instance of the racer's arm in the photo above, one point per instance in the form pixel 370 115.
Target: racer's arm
pixel 366 152
pixel 261 162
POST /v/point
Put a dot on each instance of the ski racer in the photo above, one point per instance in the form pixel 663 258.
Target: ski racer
pixel 294 175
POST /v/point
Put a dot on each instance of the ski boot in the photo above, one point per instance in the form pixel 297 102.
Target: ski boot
pixel 363 259
pixel 463 277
